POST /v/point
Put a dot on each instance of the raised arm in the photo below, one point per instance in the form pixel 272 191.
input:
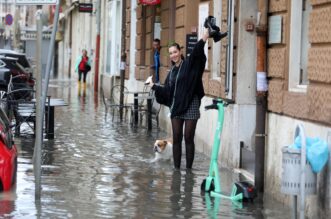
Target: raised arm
pixel 198 49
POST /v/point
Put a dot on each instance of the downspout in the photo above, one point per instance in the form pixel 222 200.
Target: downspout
pixel 261 93
pixel 123 58
pixel 70 45
pixel 97 49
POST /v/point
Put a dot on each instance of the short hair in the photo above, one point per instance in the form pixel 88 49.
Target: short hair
pixel 157 40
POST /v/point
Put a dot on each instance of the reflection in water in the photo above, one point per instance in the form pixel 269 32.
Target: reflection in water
pixel 97 168
pixel 176 194
pixel 181 196
pixel 7 204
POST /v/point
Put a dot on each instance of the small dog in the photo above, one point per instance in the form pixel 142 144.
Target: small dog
pixel 163 150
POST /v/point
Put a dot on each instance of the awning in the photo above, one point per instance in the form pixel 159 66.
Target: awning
pixel 150 2
pixel 68 11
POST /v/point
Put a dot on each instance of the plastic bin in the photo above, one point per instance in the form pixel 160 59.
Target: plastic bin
pixel 291 173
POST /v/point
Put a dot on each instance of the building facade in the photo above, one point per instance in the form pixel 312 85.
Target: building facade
pixel 299 87
pixel 297 66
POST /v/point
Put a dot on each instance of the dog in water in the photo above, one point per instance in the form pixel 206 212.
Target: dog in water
pixel 162 150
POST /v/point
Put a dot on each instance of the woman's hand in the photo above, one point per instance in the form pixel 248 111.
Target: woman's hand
pixel 205 35
pixel 149 81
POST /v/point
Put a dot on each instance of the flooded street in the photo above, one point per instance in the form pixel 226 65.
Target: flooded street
pixel 99 168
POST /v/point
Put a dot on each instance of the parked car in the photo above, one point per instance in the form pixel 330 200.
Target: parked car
pixel 8 154
pixel 22 59
pixel 16 65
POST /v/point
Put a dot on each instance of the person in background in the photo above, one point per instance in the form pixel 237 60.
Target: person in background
pixel 182 93
pixel 156 66
pixel 82 66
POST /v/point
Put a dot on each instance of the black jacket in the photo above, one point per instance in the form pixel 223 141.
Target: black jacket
pixel 189 83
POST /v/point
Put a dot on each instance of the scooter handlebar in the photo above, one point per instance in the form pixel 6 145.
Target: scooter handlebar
pixel 213 106
pixel 224 101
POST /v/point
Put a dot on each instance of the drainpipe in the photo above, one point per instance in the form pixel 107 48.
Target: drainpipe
pixel 261 93
pixel 97 49
pixel 70 45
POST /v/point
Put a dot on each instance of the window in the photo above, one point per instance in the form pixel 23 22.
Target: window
pixel 216 62
pixel 203 13
pixel 299 45
pixel 113 43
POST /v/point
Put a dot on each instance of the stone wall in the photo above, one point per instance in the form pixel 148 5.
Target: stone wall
pixel 312 107
pixel 312 104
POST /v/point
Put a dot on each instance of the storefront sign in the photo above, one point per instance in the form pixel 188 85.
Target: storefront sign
pixel 150 2
pixel 36 2
pixel 191 40
pixel 85 7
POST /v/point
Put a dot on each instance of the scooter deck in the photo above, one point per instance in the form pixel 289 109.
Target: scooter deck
pixel 237 197
pixel 233 197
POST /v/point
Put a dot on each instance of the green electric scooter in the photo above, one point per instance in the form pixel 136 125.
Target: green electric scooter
pixel 212 183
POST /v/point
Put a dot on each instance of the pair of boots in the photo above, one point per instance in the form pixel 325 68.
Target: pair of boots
pixel 213 30
pixel 79 85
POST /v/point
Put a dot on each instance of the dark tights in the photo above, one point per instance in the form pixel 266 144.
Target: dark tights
pixel 80 75
pixel 177 132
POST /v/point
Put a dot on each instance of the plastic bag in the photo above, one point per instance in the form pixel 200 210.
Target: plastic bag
pixel 317 152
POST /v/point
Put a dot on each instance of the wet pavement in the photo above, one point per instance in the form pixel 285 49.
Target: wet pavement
pixel 99 168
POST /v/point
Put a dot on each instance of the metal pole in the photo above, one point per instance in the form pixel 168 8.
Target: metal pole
pixel 38 140
pixel 50 56
pixel 16 28
pixel 295 207
pixel 300 132
pixel 123 58
pixel 97 49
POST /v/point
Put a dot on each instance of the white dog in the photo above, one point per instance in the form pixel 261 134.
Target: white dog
pixel 163 150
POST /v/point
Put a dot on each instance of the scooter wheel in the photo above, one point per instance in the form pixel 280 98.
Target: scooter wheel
pixel 203 186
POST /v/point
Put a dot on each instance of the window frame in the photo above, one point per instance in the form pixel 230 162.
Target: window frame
pixel 217 47
pixel 113 24
pixel 295 47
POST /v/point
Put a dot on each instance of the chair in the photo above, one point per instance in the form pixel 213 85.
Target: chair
pixel 141 103
pixel 141 106
pixel 113 103
pixel 156 108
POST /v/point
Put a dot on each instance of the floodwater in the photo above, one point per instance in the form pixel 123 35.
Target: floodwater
pixel 99 168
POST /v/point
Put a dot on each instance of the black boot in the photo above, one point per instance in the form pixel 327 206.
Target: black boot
pixel 213 29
